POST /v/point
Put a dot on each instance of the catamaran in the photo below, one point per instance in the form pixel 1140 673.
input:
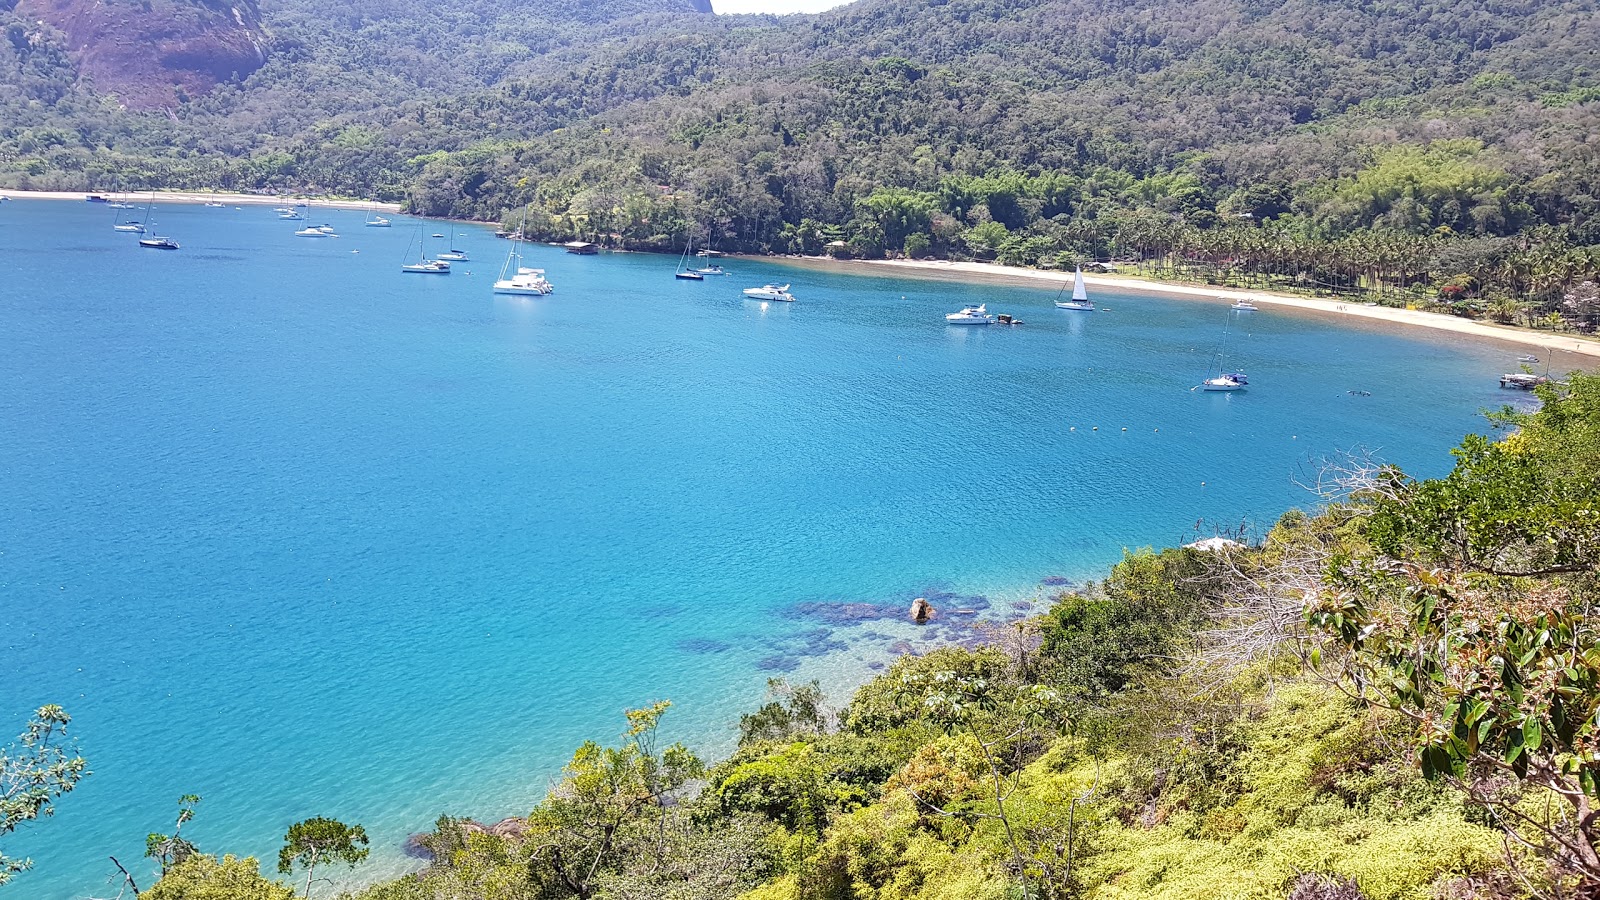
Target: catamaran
pixel 515 279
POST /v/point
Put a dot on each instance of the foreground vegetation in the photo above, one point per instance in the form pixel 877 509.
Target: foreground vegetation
pixel 1396 698
pixel 1432 154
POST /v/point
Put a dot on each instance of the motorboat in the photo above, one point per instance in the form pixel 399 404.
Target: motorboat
pixel 377 222
pixel 129 227
pixel 427 267
pixel 1080 297
pixel 453 256
pixel 290 214
pixel 770 291
pixel 1522 381
pixel 1228 381
pixel 970 315
pixel 97 198
pixel 120 205
pixel 216 204
pixel 158 243
pixel 1528 358
pixel 1243 306
pixel 525 282
pixel 315 231
pixel 710 270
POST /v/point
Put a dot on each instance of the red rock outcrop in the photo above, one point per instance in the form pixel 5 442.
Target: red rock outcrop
pixel 150 53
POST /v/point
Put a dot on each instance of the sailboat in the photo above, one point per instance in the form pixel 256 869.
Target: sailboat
pixel 376 221
pixel 1224 381
pixel 155 242
pixel 682 272
pixel 514 279
pixel 132 226
pixel 424 265
pixel 1080 297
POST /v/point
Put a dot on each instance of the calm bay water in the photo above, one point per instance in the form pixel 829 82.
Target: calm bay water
pixel 286 528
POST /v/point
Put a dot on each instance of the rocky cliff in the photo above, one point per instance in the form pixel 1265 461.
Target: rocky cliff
pixel 155 53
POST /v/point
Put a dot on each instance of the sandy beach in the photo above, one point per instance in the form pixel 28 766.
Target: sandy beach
pixel 949 271
pixel 197 197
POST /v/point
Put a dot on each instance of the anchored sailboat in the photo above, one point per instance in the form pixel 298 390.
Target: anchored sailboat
pixel 1080 296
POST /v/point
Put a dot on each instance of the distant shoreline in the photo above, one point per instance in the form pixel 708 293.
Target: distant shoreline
pixel 202 197
pixel 945 270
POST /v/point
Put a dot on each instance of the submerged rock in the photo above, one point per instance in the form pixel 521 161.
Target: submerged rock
pixel 921 611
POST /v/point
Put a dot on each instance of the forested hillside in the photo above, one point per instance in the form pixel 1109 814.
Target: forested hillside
pixel 1420 152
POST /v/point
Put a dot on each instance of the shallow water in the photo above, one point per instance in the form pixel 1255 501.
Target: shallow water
pixel 289 529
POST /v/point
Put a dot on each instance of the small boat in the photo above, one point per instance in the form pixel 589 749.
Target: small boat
pixel 96 198
pixel 770 291
pixel 970 315
pixel 158 243
pixel 1080 298
pixel 1528 358
pixel 438 234
pixel 120 205
pixel 1522 381
pixel 1243 306
pixel 453 256
pixel 581 248
pixel 688 276
pixel 291 214
pixel 216 204
pixel 710 270
pixel 315 231
pixel 377 221
pixel 129 227
pixel 427 267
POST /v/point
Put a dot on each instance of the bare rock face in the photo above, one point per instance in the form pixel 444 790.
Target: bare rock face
pixel 921 611
pixel 153 53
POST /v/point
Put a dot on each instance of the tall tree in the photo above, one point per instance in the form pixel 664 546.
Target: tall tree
pixel 320 840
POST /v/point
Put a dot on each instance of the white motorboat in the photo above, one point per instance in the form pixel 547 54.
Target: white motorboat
pixel 214 204
pixel 427 267
pixel 377 221
pixel 1243 306
pixel 130 227
pixel 316 231
pixel 1080 297
pixel 770 291
pixel 120 205
pixel 970 315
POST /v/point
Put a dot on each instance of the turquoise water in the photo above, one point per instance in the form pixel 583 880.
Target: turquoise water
pixel 286 528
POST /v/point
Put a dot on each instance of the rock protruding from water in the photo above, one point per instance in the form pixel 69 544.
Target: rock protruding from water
pixel 921 611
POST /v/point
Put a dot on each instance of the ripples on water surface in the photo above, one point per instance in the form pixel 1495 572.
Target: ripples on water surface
pixel 289 529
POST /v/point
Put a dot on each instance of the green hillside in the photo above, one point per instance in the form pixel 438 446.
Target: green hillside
pixel 1417 153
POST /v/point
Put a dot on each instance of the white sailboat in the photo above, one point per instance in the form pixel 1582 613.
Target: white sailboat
pixel 424 265
pixel 1080 297
pixel 1224 381
pixel 683 273
pixel 518 280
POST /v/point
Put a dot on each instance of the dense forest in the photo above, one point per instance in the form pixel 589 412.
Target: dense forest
pixel 1394 697
pixel 1424 153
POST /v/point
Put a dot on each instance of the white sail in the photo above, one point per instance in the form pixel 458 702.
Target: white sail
pixel 1078 293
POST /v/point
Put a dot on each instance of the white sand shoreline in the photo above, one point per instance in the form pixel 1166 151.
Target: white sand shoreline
pixel 946 270
pixel 202 197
